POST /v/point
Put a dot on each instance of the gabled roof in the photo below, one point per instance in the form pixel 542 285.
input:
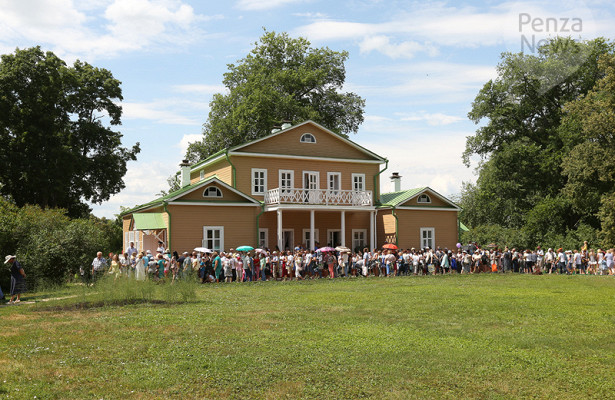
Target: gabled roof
pixel 187 189
pixel 219 155
pixel 395 199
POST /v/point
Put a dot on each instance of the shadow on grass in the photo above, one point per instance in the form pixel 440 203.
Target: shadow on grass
pixel 88 305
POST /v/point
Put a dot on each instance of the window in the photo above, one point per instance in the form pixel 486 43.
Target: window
pixel 359 241
pixel 286 181
pixel 358 182
pixel 334 179
pixel 259 181
pixel 212 191
pixel 202 174
pixel 263 238
pixel 132 236
pixel 423 199
pixel 306 237
pixel 213 237
pixel 307 138
pixel 428 237
pixel 334 237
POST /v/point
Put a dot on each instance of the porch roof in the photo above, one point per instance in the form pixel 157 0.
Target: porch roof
pixel 145 221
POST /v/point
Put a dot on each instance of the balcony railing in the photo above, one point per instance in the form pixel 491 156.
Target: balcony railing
pixel 318 196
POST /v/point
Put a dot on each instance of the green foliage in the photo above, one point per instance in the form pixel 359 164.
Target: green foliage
pixel 51 246
pixel 534 142
pixel 55 150
pixel 281 79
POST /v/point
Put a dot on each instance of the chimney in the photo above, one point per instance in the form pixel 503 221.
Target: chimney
pixel 396 179
pixel 276 129
pixel 286 124
pixel 185 173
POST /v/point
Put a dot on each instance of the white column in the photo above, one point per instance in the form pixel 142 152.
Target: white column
pixel 343 225
pixel 312 239
pixel 280 244
pixel 372 231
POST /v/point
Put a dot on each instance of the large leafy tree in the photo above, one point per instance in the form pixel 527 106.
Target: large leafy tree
pixel 56 146
pixel 520 141
pixel 282 78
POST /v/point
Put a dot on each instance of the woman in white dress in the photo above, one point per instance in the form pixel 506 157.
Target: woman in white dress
pixel 140 268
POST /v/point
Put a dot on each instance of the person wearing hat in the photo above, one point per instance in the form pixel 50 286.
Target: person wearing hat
pixel 18 279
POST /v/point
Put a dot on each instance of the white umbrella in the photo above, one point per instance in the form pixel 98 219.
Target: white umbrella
pixel 260 251
pixel 202 250
pixel 342 249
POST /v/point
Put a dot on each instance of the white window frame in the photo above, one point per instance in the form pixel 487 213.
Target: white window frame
pixel 265 243
pixel 253 181
pixel 284 189
pixel 209 196
pixel 305 135
pixel 292 237
pixel 306 239
pixel 433 237
pixel 339 181
pixel 418 199
pixel 365 243
pixel 354 185
pixel 205 238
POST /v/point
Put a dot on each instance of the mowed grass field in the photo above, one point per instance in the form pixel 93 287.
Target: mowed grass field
pixel 457 337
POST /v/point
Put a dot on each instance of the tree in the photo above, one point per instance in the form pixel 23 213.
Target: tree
pixel 521 141
pixel 590 166
pixel 55 147
pixel 281 79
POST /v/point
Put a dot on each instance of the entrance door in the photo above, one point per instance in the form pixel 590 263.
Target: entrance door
pixel 334 237
pixel 310 184
pixel 288 239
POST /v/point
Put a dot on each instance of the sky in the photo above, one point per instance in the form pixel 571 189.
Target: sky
pixel 418 65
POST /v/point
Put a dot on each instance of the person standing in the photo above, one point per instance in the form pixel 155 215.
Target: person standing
pixel 99 264
pixel 18 279
pixel 217 266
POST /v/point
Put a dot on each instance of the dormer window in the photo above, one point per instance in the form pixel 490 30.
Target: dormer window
pixel 307 138
pixel 212 191
pixel 423 199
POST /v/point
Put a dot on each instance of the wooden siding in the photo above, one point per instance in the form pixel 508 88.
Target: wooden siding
pixel 244 165
pixel 323 220
pixel 221 168
pixel 288 143
pixel 411 221
pixel 227 195
pixel 187 225
pixel 435 201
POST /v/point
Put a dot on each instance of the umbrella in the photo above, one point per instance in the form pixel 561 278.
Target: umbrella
pixel 492 245
pixel 390 246
pixel 325 249
pixel 342 249
pixel 202 250
pixel 261 251
pixel 244 248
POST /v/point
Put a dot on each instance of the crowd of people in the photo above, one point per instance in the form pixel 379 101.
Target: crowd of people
pixel 265 264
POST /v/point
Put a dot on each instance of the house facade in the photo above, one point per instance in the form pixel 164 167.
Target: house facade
pixel 302 185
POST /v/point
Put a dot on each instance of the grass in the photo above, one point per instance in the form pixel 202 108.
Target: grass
pixel 476 337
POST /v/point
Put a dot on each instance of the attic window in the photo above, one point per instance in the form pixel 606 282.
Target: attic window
pixel 423 199
pixel 212 191
pixel 307 138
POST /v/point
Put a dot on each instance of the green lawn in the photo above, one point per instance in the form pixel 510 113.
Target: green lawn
pixel 457 337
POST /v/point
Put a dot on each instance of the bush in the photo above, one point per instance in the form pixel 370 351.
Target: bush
pixel 51 246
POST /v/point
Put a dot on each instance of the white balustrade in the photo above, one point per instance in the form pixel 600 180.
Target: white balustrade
pixel 318 196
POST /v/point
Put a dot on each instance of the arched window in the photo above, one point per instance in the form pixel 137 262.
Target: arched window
pixel 307 138
pixel 423 199
pixel 212 191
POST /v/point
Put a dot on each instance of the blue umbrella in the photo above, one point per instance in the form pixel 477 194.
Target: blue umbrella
pixel 244 248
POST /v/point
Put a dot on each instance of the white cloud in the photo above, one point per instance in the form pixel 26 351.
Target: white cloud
pixel 84 30
pixel 433 119
pixel 257 5
pixel 168 111
pixel 382 44
pixel 187 139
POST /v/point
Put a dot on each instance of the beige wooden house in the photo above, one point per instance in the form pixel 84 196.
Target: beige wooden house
pixel 304 186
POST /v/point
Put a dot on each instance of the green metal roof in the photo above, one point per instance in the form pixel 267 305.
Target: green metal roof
pixel 396 198
pixel 149 221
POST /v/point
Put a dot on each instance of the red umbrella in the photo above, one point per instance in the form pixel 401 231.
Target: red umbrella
pixel 390 246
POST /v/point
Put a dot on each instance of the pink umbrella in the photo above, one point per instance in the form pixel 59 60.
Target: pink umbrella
pixel 326 249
